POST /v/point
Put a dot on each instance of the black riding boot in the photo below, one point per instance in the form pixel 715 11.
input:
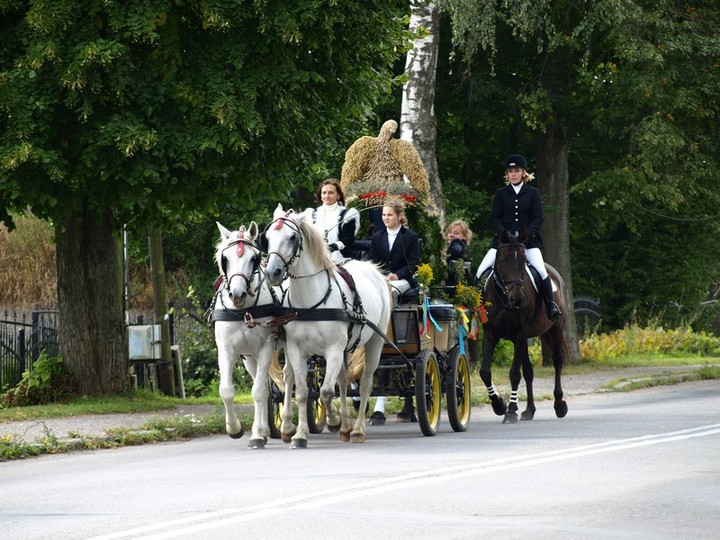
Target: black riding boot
pixel 553 311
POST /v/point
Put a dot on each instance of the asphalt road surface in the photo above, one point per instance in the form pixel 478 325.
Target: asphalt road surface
pixel 638 465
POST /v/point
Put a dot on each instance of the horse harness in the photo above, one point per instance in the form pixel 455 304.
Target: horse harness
pixel 352 313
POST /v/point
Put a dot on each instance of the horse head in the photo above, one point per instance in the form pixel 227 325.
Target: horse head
pixel 238 258
pixel 283 242
pixel 509 271
pixel 287 236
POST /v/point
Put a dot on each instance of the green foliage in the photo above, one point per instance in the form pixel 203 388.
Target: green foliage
pixel 631 87
pixel 200 358
pixel 165 111
pixel 49 381
pixel 649 340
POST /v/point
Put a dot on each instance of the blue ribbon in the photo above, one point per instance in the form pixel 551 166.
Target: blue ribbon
pixel 463 333
pixel 428 315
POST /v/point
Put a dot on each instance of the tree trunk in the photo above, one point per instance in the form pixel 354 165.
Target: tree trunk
pixel 417 118
pixel 93 338
pixel 553 179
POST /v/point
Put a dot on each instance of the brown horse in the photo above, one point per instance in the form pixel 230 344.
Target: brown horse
pixel 516 313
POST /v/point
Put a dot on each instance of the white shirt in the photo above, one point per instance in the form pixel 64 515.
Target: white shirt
pixel 392 234
pixel 327 219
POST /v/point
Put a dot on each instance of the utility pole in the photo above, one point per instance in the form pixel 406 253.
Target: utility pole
pixel 166 369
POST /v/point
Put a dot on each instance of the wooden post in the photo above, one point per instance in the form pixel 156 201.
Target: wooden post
pixel 166 371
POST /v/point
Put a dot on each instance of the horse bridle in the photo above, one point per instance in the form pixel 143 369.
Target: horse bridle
pixel 279 222
pixel 503 286
pixel 239 244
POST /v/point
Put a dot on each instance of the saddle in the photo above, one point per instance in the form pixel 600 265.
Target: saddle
pixel 531 271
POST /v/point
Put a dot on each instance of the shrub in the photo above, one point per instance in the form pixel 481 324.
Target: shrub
pixel 652 339
pixel 200 364
pixel 49 381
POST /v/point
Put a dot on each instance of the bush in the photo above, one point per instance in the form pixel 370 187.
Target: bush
pixel 652 339
pixel 49 381
pixel 200 362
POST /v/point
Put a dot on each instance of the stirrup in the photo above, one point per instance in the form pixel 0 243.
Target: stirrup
pixel 553 311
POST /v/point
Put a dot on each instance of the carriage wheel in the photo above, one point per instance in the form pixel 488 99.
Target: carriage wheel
pixel 457 390
pixel 315 409
pixel 275 410
pixel 427 392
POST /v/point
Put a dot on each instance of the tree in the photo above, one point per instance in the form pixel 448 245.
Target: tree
pixel 151 113
pixel 617 99
pixel 417 120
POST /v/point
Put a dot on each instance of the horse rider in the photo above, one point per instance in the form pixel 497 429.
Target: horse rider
pixel 517 205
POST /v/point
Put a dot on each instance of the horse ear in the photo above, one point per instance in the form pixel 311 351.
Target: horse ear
pixel 225 233
pixel 523 235
pixel 279 212
pixel 307 213
pixel 504 237
pixel 252 231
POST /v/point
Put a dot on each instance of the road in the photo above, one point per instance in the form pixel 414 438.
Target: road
pixel 638 465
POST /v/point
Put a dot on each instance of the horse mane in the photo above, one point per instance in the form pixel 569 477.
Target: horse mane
pixel 315 244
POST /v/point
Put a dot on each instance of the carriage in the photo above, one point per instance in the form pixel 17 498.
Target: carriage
pixel 427 362
pixel 336 324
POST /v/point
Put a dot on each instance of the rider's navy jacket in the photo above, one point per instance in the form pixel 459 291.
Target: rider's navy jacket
pixel 511 212
pixel 404 257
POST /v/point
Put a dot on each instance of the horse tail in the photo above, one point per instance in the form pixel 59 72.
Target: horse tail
pixel 356 364
pixel 276 371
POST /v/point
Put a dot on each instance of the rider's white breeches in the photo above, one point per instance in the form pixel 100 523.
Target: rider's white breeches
pixel 533 255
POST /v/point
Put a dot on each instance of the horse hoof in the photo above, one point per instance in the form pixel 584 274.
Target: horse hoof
pixel 357 437
pixel 527 415
pixel 236 435
pixel 256 444
pixel 298 444
pixel 334 429
pixel 499 407
pixel 510 418
pixel 561 409
pixel 286 437
pixel 344 435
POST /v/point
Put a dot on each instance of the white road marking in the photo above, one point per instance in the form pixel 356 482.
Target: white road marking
pixel 315 499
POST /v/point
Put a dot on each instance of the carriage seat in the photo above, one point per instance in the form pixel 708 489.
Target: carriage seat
pixel 411 296
pixel 443 312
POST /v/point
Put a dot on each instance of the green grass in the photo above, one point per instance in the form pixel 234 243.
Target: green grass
pixel 135 402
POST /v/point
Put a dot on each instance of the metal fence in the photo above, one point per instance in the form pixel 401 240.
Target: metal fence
pixel 23 337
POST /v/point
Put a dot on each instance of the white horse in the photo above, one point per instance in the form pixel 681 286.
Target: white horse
pixel 333 317
pixel 242 305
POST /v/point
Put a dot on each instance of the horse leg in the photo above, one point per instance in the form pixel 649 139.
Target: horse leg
pixel 299 366
pixel 528 374
pixel 346 425
pixel 557 346
pixel 226 364
pixel 287 428
pixel 496 401
pixel 260 393
pixel 333 363
pixel 511 416
pixel 373 350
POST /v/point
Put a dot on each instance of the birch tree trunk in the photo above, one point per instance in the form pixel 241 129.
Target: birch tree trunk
pixel 417 118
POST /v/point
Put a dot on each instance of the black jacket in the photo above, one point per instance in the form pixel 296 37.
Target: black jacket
pixel 511 212
pixel 457 250
pixel 404 257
